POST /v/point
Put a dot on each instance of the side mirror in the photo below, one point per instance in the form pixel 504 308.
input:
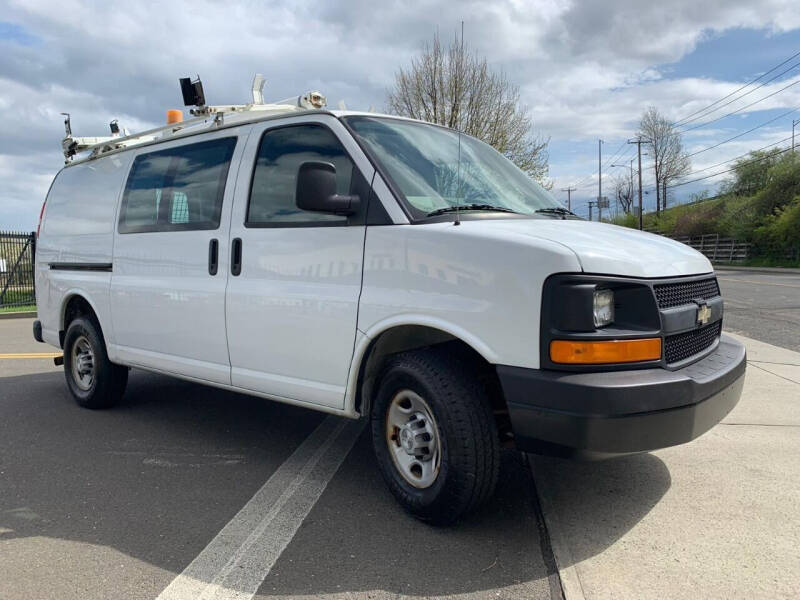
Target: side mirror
pixel 316 190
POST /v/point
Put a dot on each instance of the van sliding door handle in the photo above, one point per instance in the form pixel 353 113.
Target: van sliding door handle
pixel 236 256
pixel 213 256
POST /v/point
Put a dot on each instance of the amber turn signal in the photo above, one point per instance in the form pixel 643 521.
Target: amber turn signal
pixel 571 352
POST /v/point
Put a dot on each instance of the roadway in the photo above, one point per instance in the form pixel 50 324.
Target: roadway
pixel 763 305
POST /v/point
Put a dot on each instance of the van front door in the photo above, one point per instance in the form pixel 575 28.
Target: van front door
pixel 170 257
pixel 292 300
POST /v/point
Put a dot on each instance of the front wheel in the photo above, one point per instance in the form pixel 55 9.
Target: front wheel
pixel 434 435
pixel 93 380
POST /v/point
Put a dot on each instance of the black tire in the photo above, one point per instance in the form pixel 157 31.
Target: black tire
pixel 469 442
pixel 108 381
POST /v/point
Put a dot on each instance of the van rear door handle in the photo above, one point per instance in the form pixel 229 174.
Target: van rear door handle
pixel 213 256
pixel 236 256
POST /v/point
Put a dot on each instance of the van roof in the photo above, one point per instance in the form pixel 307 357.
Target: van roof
pixel 196 126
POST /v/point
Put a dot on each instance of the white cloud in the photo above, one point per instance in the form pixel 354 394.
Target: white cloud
pixel 586 68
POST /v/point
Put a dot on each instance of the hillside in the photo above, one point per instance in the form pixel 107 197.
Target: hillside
pixel 760 204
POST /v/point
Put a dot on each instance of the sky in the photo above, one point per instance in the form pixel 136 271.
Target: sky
pixel 586 70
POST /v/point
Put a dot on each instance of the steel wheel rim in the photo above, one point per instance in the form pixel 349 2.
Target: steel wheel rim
pixel 412 437
pixel 83 363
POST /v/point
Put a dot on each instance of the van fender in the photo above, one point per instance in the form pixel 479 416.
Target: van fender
pixel 365 338
pixel 106 329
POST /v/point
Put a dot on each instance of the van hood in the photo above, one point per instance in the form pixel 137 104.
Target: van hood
pixel 608 249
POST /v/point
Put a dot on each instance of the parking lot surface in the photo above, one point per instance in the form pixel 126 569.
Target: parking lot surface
pixel 118 503
pixel 185 491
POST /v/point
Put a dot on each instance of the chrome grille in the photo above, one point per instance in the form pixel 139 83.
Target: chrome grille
pixel 681 346
pixel 683 292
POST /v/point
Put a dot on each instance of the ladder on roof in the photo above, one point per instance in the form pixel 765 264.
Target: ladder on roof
pixel 208 116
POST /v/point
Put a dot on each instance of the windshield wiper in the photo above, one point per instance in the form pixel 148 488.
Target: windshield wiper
pixel 474 206
pixel 556 210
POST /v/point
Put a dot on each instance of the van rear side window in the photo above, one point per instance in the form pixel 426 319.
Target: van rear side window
pixel 177 189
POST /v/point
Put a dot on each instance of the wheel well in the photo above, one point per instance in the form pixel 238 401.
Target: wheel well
pixel 77 306
pixel 412 337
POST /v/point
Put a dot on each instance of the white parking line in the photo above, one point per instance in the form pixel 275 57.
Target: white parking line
pixel 236 562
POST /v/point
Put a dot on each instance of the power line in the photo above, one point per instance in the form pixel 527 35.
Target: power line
pixel 684 120
pixel 742 108
pixel 607 167
pixel 731 169
pixel 580 183
pixel 743 133
pixel 731 101
pixel 725 162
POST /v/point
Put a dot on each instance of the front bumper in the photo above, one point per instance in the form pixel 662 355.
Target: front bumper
pixel 597 415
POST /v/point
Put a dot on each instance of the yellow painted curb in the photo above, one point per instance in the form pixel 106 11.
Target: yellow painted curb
pixel 32 355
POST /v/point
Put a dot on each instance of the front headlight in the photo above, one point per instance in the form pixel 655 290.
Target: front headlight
pixel 603 307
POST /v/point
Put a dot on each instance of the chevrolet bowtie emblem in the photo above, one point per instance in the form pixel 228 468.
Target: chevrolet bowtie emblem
pixel 703 314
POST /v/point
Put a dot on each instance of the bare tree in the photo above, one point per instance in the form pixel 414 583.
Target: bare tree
pixel 670 160
pixel 454 87
pixel 623 190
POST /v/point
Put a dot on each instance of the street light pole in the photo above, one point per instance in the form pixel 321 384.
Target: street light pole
pixel 569 191
pixel 599 180
pixel 631 179
pixel 639 141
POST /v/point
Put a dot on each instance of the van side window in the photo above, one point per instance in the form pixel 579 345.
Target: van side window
pixel 177 189
pixel 280 154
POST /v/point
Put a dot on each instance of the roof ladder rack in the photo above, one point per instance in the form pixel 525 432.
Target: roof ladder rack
pixel 208 116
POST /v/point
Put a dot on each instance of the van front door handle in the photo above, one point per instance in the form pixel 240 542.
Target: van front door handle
pixel 213 256
pixel 236 256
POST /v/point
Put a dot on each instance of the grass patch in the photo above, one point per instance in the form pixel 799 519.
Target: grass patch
pixel 17 295
pixel 764 261
pixel 10 309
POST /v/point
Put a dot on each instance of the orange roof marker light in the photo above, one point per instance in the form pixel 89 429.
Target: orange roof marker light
pixel 574 352
pixel 174 116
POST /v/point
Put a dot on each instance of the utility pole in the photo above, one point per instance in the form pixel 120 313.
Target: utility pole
pixel 590 209
pixel 569 191
pixel 599 181
pixel 794 123
pixel 639 141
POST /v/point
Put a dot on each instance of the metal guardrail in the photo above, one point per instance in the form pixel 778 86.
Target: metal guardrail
pixel 17 259
pixel 718 249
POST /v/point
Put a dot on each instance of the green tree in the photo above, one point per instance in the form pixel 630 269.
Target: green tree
pixel 750 172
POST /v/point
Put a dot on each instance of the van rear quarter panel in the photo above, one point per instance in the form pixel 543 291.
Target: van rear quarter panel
pixel 78 227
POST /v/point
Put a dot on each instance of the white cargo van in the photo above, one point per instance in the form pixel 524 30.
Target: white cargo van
pixel 381 268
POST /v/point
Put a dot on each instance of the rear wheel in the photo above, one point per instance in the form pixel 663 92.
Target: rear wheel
pixel 93 380
pixel 434 435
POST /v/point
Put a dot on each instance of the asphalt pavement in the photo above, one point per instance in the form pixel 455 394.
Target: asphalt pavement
pixel 186 491
pixel 762 305
pixel 121 503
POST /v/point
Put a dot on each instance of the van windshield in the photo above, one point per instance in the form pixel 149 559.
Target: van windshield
pixel 427 166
